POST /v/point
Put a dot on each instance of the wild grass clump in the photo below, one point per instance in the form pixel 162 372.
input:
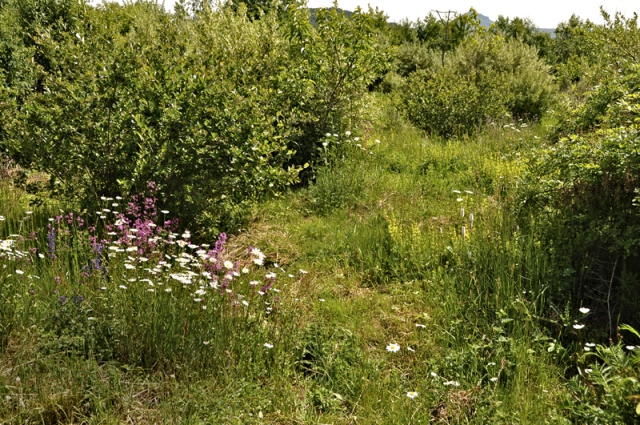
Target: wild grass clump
pixel 124 288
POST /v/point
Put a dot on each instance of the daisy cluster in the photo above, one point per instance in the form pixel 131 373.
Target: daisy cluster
pixel 346 139
pixel 132 246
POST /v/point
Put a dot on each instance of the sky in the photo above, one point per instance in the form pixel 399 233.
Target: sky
pixel 544 13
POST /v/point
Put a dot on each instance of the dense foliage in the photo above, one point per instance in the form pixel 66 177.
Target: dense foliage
pixel 219 110
pixel 587 180
pixel 484 79
pixel 461 246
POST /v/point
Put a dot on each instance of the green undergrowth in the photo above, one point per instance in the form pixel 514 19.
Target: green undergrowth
pixel 403 268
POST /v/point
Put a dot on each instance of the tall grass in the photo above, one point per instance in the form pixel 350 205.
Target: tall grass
pixel 404 268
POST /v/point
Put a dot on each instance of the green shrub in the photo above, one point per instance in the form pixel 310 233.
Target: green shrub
pixel 607 390
pixel 447 103
pixel 485 78
pixel 588 181
pixel 412 57
pixel 219 111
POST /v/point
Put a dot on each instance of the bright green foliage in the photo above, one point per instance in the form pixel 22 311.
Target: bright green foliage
pixel 592 172
pixel 486 78
pixel 607 390
pixel 588 181
pixel 219 110
pixel 448 103
pixel 526 31
pixel 411 57
pixel 419 41
pixel 529 89
pixel 336 61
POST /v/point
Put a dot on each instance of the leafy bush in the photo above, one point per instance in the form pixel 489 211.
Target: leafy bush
pixel 483 79
pixel 412 57
pixel 587 182
pixel 607 390
pixel 447 103
pixel 219 110
pixel 527 80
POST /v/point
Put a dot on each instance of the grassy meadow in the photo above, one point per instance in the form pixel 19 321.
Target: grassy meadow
pixel 232 215
pixel 400 271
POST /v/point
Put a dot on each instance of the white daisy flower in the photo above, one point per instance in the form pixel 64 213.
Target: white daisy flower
pixel 393 348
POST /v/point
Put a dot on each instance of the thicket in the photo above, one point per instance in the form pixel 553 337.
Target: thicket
pixel 486 78
pixel 587 180
pixel 453 76
pixel 218 108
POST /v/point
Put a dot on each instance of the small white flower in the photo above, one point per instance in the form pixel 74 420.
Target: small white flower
pixel 420 325
pixel 588 370
pixel 590 344
pixel 577 326
pixel 254 283
pixel 164 212
pixel 393 348
pixel 347 133
pixel 584 310
pixel 303 271
pixel 270 275
pixel 454 383
pixel 321 300
pixel 269 346
pixel 245 303
pixel 435 375
pixel 41 255
pixel 412 394
pixel 122 287
pixel 630 347
pixel 19 272
pixel 228 264
pixel 459 199
pixel 205 342
pixel 494 379
pixel 245 270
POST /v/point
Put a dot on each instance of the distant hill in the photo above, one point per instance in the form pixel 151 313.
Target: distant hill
pixel 484 20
